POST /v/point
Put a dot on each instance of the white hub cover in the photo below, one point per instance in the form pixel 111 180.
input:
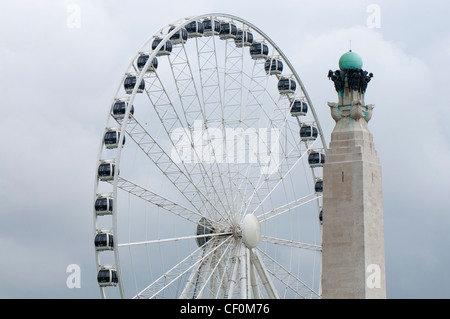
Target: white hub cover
pixel 251 231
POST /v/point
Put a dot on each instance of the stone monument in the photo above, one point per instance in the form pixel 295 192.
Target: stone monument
pixel 353 258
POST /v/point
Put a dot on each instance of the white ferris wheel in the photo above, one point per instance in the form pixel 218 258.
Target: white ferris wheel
pixel 208 180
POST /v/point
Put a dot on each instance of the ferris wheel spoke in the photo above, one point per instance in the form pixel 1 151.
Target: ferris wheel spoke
pixel 245 276
pixel 190 282
pixel 264 275
pixel 214 261
pixel 289 280
pixel 231 95
pixel 290 243
pixel 209 79
pixel 178 176
pixel 274 124
pixel 232 88
pixel 256 97
pixel 185 85
pixel 170 120
pixel 254 285
pixel 183 267
pixel 202 273
pixel 174 239
pixel 286 167
pixel 274 170
pixel 245 182
pixel 214 111
pixel 172 275
pixel 233 278
pixel 288 207
pixel 195 274
pixel 249 117
pixel 225 268
pixel 158 200
pixel 192 104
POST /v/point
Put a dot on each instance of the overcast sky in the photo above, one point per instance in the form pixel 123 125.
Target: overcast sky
pixel 57 80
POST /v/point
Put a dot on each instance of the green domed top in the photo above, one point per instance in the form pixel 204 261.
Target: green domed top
pixel 350 60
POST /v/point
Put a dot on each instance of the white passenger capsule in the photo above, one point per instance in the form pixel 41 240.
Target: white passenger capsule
pixel 107 276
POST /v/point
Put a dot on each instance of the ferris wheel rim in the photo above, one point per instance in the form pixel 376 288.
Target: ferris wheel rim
pixel 130 99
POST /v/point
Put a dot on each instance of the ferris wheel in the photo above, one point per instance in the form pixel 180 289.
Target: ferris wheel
pixel 208 179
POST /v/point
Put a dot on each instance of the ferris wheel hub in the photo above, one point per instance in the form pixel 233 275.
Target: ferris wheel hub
pixel 251 231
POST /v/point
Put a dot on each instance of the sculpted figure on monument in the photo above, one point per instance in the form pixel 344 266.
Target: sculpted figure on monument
pixel 338 77
pixel 357 79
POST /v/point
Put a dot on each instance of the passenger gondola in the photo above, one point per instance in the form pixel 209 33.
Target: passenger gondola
pixel 103 205
pixel 104 241
pixel 228 30
pixel 273 66
pixel 130 82
pixel 112 137
pixel 244 38
pixel 165 49
pixel 286 86
pixel 142 60
pixel 119 109
pixel 211 27
pixel 107 276
pixel 178 37
pixel 299 108
pixel 318 186
pixel 195 29
pixel 316 159
pixel 259 50
pixel 308 132
pixel 106 171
